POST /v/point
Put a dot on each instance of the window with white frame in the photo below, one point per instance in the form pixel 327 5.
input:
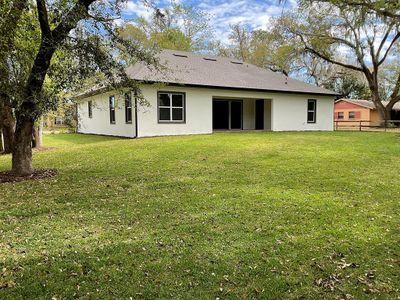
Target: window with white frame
pixel 171 107
pixel 352 114
pixel 311 111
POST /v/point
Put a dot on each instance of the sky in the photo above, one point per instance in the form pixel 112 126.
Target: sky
pixel 252 13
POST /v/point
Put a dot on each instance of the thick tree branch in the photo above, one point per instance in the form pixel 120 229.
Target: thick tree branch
pixel 43 18
pixel 328 59
pixel 47 48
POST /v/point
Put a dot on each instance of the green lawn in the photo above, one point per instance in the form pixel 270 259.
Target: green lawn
pixel 229 215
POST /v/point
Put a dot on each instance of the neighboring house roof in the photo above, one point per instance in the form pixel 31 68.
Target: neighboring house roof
pixel 192 69
pixel 364 103
pixel 368 104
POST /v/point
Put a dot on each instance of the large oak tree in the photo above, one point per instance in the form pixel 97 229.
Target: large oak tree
pixel 77 39
pixel 354 38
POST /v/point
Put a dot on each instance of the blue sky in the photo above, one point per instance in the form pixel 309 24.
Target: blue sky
pixel 252 13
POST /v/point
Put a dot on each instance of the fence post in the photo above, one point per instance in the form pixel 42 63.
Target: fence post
pixel 360 125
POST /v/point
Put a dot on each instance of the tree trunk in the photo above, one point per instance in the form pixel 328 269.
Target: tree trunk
pixel 22 150
pixel 8 123
pixel 1 140
pixel 38 134
pixel 388 116
pixel 8 138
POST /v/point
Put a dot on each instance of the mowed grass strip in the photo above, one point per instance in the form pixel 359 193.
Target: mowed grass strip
pixel 228 215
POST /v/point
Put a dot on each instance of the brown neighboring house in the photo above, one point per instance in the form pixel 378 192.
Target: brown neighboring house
pixel 361 110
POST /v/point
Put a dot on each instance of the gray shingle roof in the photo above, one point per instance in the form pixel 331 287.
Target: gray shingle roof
pixel 199 70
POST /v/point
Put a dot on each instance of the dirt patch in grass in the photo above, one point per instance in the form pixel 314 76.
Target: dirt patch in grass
pixel 8 176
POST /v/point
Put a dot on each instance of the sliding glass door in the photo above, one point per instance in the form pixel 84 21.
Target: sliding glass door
pixel 227 114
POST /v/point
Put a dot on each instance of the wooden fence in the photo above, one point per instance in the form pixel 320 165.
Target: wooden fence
pixel 365 125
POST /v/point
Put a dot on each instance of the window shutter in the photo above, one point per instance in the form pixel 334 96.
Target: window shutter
pixel 358 114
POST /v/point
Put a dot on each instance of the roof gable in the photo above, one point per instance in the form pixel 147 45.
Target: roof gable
pixel 350 103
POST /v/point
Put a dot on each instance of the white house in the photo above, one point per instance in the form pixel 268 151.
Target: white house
pixel 200 95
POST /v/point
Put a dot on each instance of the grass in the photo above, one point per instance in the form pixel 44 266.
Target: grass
pixel 240 215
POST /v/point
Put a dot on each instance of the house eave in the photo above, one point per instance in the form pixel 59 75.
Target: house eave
pixel 104 89
pixel 244 89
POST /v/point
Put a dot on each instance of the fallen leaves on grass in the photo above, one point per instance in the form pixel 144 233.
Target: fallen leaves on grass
pixel 331 282
pixel 6 285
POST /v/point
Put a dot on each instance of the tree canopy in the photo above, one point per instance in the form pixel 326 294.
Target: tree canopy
pixel 179 27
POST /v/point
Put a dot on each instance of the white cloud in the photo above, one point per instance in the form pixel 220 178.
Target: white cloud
pixel 255 14
pixel 137 9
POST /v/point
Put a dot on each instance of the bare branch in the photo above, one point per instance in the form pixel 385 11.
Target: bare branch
pixel 384 39
pixel 397 36
pixel 358 49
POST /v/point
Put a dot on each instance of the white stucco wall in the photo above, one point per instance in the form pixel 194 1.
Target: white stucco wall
pixel 289 113
pixel 283 112
pixel 100 121
pixel 198 113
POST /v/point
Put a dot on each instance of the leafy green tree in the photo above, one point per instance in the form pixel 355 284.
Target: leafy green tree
pixel 172 38
pixel 349 85
pixel 77 39
pixel 180 27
